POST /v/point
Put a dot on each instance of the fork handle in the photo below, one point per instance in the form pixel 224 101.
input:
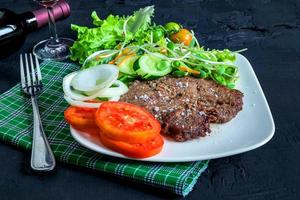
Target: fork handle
pixel 42 158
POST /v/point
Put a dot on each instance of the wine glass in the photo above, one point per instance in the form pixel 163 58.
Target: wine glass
pixel 55 48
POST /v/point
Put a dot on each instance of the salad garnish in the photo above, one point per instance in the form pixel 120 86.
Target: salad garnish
pixel 144 50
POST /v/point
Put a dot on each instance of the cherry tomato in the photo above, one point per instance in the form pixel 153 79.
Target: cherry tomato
pixel 126 122
pixel 80 117
pixel 137 150
pixel 183 36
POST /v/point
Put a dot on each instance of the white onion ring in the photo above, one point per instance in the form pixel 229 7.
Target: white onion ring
pixel 87 104
pixel 81 103
pixel 86 80
pixel 114 91
pixel 67 88
pixel 73 95
pixel 115 98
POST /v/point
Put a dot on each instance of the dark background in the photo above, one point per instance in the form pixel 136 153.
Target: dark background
pixel 269 29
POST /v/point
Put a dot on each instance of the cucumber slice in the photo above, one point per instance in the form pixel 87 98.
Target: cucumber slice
pixel 126 64
pixel 136 65
pixel 153 66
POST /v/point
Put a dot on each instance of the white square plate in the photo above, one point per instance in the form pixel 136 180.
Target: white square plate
pixel 251 128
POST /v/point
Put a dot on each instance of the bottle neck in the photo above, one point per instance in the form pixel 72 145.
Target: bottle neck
pixel 39 18
pixel 60 10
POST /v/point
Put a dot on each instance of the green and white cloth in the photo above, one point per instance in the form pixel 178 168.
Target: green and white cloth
pixel 16 126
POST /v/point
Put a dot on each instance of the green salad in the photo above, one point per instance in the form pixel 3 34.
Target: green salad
pixel 143 50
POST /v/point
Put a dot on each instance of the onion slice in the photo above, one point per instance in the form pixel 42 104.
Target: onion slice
pixel 87 104
pixel 115 98
pixel 75 95
pixel 81 103
pixel 69 92
pixel 114 91
pixel 95 78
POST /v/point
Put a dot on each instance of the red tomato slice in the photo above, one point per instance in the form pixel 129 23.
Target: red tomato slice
pixel 80 117
pixel 126 122
pixel 140 150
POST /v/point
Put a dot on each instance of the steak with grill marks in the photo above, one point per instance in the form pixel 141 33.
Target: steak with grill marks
pixel 185 106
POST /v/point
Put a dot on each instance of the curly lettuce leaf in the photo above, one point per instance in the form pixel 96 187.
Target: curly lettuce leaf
pixel 109 33
pixel 140 20
pixel 96 20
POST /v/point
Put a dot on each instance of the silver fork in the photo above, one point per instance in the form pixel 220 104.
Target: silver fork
pixel 42 158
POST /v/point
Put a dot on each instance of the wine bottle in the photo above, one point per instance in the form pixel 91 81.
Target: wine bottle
pixel 14 27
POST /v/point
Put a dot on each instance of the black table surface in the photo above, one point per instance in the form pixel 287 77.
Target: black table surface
pixel 269 29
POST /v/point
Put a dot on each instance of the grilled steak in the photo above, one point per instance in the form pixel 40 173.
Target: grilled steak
pixel 184 125
pixel 220 103
pixel 185 106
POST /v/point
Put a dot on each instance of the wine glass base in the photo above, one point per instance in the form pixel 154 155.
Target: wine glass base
pixel 58 51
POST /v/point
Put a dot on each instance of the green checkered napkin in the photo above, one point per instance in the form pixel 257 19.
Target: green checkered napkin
pixel 16 129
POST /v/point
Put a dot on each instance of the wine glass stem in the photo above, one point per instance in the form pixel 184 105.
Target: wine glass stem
pixel 52 27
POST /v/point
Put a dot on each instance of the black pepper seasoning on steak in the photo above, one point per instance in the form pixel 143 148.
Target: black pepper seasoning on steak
pixel 177 102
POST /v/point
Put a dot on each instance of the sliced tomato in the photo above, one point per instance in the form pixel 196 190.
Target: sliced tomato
pixel 80 117
pixel 137 150
pixel 126 122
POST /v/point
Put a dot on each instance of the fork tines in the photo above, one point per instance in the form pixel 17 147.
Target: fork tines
pixel 31 78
